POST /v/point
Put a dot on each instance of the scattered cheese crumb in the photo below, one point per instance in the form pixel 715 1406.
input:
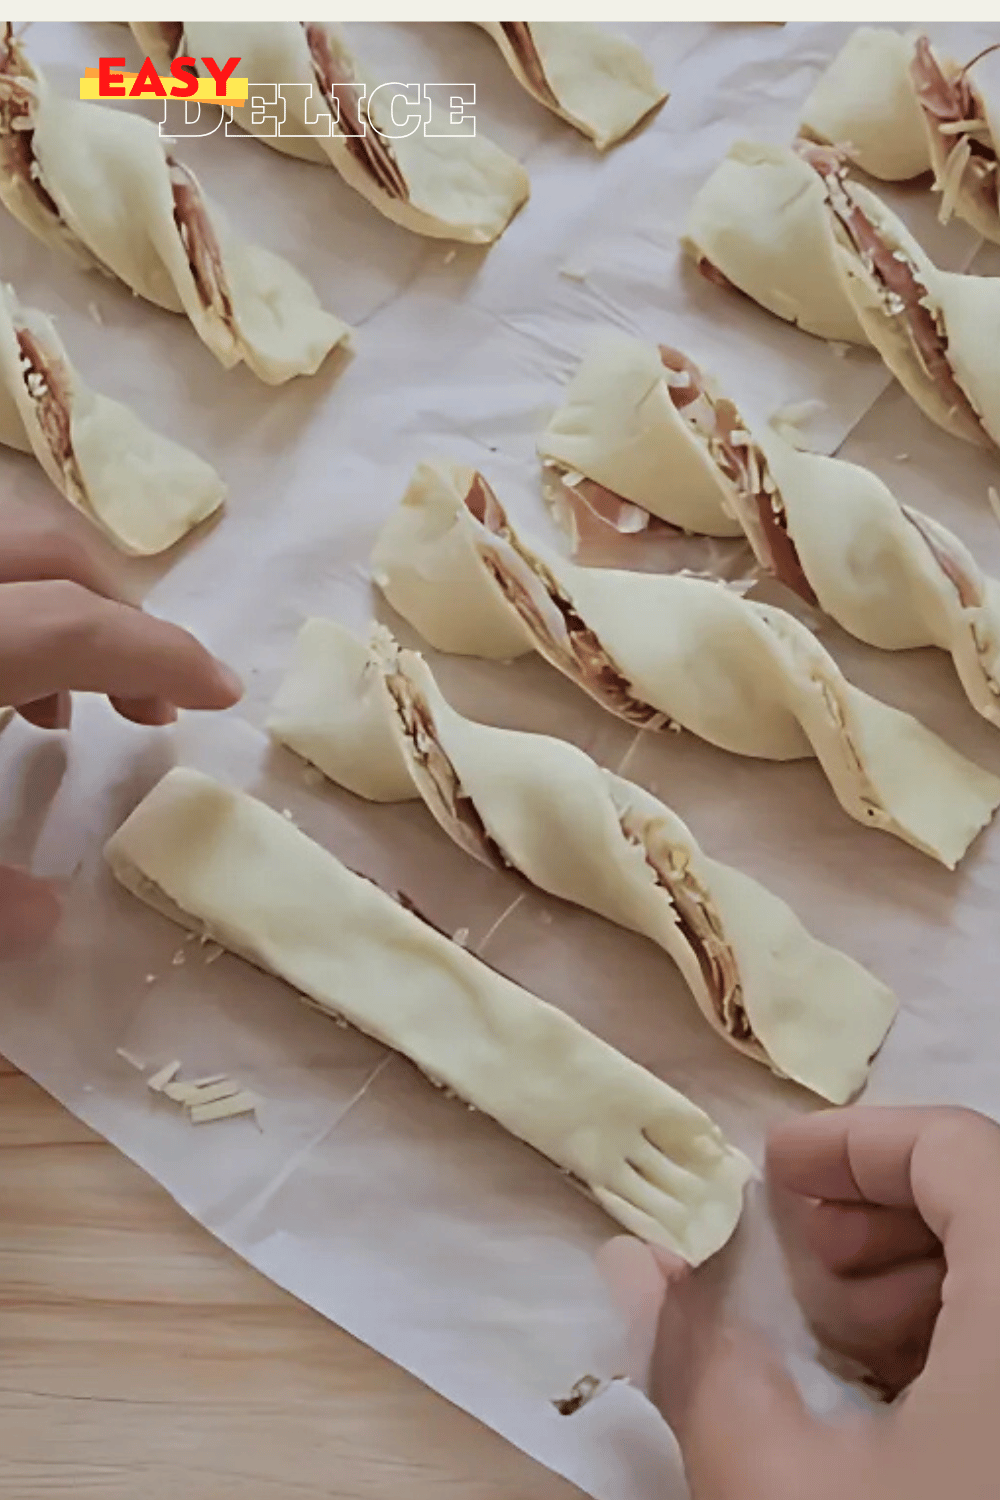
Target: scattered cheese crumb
pixel 461 937
pixel 450 257
pixel 901 458
pixel 286 812
pixel 214 952
pixel 242 1103
pixel 131 1059
pixel 178 958
pixel 839 349
pixel 150 978
pixel 192 1094
pixel 166 1074
pixel 573 273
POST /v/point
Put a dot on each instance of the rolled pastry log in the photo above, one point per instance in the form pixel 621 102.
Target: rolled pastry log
pixel 97 182
pixel 622 436
pixel 374 720
pixel 598 81
pixel 662 651
pixel 142 490
pixel 897 108
pixel 446 186
pixel 788 229
pixel 224 864
pixel 829 530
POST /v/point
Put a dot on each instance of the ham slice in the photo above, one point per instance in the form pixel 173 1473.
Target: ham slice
pixel 364 142
pixel 953 110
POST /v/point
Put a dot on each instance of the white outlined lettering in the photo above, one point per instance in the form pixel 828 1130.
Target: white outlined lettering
pixel 409 93
pixel 184 118
pixel 299 96
pixel 450 99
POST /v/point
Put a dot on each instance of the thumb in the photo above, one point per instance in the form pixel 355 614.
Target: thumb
pixel 743 1429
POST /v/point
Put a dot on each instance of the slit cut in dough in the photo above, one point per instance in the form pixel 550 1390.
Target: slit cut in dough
pixel 96 182
pixel 142 490
pixel 373 720
pixel 662 650
pixel 220 862
pixel 445 185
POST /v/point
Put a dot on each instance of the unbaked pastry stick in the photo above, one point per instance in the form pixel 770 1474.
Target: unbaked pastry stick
pixel 829 530
pixel 447 186
pixel 673 650
pixel 897 108
pixel 224 864
pixel 144 491
pixel 96 182
pixel 374 720
pixel 598 81
pixel 622 439
pixel 791 231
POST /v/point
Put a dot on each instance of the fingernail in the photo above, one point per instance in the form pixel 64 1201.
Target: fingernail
pixel 230 681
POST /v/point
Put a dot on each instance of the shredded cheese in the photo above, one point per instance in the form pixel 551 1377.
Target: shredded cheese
pixel 161 1079
pixel 242 1103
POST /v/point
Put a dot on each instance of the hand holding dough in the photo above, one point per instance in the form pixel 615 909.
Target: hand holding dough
pixel 599 82
pixel 670 649
pixel 897 109
pixel 144 491
pixel 447 186
pixel 96 182
pixel 828 530
pixel 222 863
pixel 374 721
pixel 791 231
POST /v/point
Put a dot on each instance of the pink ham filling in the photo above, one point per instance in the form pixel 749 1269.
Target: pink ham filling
pixel 896 276
pixel 950 101
pixel 17 151
pixel 51 397
pixel 364 143
pixel 532 592
pixel 518 34
pixel 200 244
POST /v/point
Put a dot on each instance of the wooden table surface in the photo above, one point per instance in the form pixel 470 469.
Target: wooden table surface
pixel 141 1360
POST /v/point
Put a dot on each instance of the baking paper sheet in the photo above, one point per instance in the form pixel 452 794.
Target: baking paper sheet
pixel 419 1227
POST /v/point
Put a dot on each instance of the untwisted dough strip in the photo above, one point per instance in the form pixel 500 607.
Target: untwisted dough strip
pixel 446 186
pixel 221 862
pixel 96 182
pixel 897 108
pixel 598 81
pixel 662 650
pixel 143 490
pixel 829 530
pixel 791 231
pixel 374 720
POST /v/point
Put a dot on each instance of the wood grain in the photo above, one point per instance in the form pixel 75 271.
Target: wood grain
pixel 140 1358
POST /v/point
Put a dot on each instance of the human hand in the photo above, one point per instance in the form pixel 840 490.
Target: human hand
pixel 893 1220
pixel 64 626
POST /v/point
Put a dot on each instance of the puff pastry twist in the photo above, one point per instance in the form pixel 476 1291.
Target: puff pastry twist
pixel 598 81
pixel 96 182
pixel 672 650
pixel 829 530
pixel 222 863
pixel 142 490
pixel 898 108
pixel 446 186
pixel 789 228
pixel 374 720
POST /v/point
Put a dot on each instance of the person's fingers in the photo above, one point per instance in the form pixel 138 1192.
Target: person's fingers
pixel 145 710
pixel 855 1239
pixel 883 1323
pixel 742 1427
pixel 59 636
pixel 54 712
pixel 29 912
pixel 38 551
pixel 636 1281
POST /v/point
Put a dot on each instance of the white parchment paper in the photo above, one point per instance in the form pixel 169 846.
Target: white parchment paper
pixel 421 1228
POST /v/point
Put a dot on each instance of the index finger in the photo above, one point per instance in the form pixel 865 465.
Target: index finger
pixel 37 551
